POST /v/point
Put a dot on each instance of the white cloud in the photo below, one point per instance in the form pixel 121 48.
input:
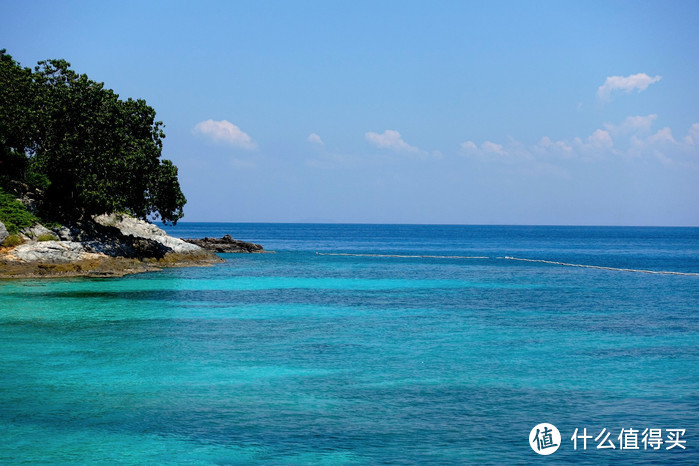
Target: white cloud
pixel 599 142
pixel 629 139
pixel 390 139
pixel 493 148
pixel 315 139
pixel 224 131
pixel 662 136
pixel 692 137
pixel 661 144
pixel 600 139
pixel 632 124
pixel 639 82
pixel 485 149
pixel 546 145
pixel 469 147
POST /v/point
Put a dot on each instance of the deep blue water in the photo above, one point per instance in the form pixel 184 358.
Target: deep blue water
pixel 300 358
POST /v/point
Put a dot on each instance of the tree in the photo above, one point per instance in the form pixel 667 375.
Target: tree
pixel 100 154
pixel 16 96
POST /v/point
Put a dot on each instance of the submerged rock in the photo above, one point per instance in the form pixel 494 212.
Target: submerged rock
pixel 226 244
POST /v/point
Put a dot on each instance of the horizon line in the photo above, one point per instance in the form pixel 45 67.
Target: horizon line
pixel 437 224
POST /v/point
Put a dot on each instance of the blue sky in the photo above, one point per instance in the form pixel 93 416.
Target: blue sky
pixel 578 113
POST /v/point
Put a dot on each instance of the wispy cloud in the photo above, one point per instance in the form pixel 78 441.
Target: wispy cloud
pixel 469 147
pixel 493 148
pixel 626 84
pixel 486 148
pixel 632 124
pixel 663 136
pixel 224 131
pixel 600 139
pixel 692 137
pixel 660 144
pixel 597 143
pixel 633 137
pixel 315 139
pixel 546 146
pixel 390 139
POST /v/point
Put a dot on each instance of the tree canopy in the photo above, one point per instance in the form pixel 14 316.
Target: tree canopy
pixel 90 151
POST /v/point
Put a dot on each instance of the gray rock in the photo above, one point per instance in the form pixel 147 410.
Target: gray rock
pixel 35 231
pixel 142 229
pixel 65 234
pixel 51 252
pixel 29 203
pixel 3 233
pixel 110 246
pixel 226 244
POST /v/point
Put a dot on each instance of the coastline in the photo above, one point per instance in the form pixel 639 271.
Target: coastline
pixel 102 267
pixel 114 246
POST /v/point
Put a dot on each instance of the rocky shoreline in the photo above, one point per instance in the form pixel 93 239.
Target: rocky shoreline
pixel 110 246
pixel 226 244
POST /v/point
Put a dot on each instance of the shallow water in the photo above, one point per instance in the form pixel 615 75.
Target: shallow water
pixel 296 357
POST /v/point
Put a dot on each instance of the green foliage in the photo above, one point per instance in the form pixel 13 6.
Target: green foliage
pixel 46 237
pixel 13 214
pixel 50 225
pixel 17 112
pixel 36 180
pixel 12 241
pixel 90 151
pixel 166 193
pixel 13 165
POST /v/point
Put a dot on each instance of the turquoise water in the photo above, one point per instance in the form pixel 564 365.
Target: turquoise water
pixel 302 358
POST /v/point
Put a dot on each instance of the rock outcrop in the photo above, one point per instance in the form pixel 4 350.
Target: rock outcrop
pixel 37 230
pixel 225 244
pixel 111 245
pixel 129 226
pixel 3 232
pixel 51 252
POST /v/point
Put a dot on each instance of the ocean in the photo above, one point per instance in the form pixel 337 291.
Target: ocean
pixel 365 344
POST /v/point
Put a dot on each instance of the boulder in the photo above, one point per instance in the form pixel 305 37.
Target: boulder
pixel 3 232
pixel 66 234
pixel 51 252
pixel 226 244
pixel 36 230
pixel 130 226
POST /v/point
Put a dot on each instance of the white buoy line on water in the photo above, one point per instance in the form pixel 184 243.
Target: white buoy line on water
pixel 398 255
pixel 402 256
pixel 659 272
